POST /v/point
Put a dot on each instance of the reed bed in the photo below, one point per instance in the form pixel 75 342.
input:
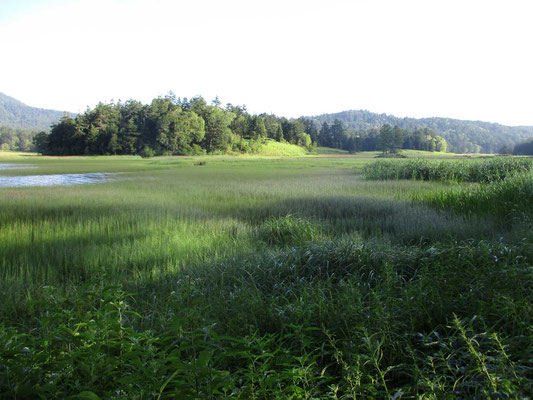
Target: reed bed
pixel 483 170
pixel 510 199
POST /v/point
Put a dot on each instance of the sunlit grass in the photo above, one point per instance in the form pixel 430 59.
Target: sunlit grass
pixel 479 170
pixel 261 277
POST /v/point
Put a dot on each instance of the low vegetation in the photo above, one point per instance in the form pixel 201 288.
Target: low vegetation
pixel 511 198
pixel 258 277
pixel 478 170
pixel 279 149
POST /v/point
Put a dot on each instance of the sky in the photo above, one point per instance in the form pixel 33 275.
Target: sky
pixel 467 59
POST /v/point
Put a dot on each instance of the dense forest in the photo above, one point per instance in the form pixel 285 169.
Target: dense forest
pixel 12 139
pixel 462 136
pixel 387 138
pixel 168 125
pixel 171 125
pixel 524 148
pixel 15 114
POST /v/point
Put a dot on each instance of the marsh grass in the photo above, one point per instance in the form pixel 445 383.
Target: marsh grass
pixel 257 278
pixel 510 199
pixel 288 230
pixel 331 320
pixel 477 170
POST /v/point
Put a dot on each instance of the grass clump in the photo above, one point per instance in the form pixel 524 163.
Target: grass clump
pixel 478 170
pixel 287 230
pixel 511 198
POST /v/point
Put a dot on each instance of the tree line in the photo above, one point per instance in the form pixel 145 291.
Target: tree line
pixel 388 138
pixel 167 126
pixel 175 126
pixel 13 139
pixel 462 136
pixel 524 148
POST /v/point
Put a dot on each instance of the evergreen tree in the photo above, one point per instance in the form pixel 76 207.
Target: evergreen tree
pixel 386 138
pixel 217 132
pixel 310 128
pixel 257 129
pixel 64 138
pixel 337 134
pixel 324 138
pixel 41 143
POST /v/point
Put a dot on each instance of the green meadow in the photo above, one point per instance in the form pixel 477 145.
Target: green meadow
pixel 279 275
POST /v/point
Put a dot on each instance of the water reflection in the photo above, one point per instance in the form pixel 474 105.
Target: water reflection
pixel 55 180
pixel 15 166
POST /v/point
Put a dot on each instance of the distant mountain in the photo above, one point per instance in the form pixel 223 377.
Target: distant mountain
pixel 16 114
pixel 462 136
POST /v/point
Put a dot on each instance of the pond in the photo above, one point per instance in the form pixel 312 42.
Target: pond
pixel 15 166
pixel 55 180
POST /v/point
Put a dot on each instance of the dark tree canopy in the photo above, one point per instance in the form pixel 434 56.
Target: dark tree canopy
pixel 172 125
pixel 524 148
pixel 168 125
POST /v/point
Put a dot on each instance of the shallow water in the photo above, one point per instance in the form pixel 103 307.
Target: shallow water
pixel 15 166
pixel 55 180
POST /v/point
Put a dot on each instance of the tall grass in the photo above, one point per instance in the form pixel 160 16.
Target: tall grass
pixel 511 199
pixel 251 278
pixel 331 320
pixel 477 170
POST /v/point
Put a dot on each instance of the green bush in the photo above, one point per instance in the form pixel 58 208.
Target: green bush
pixel 147 152
pixel 288 230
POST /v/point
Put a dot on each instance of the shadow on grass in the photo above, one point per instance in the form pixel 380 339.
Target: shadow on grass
pixel 397 220
pixel 66 259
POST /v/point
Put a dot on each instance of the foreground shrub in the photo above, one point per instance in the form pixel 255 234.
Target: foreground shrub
pixel 335 320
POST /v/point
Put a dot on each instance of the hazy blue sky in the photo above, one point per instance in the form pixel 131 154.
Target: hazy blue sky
pixel 468 59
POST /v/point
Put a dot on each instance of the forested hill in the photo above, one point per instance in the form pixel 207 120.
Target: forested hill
pixel 462 136
pixel 16 114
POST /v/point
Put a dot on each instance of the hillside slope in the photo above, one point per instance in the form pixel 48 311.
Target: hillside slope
pixel 16 114
pixel 462 136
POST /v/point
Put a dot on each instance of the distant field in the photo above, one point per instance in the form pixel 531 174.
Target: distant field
pixel 280 275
